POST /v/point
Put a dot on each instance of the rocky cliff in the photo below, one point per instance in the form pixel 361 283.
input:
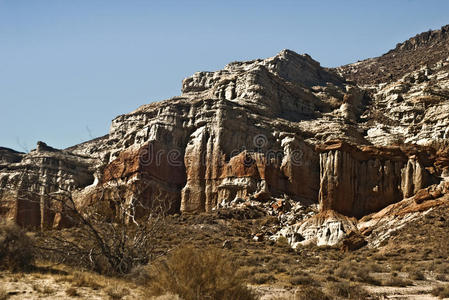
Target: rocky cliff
pixel 354 140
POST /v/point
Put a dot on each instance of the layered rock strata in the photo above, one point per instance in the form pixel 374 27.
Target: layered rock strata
pixel 263 130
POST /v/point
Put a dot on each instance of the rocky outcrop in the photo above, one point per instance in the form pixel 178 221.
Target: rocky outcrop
pixel 379 226
pixel 325 228
pixel 356 182
pixel 32 184
pixel 279 130
pixel 425 49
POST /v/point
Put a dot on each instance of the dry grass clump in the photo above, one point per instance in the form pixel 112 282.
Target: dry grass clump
pixel 139 275
pixel 303 279
pixel 3 293
pixel 441 277
pixel 85 279
pixel 355 271
pixel 16 249
pixel 309 292
pixel 116 292
pixel 441 291
pixel 261 278
pixel 282 242
pixel 43 289
pixel 166 297
pixel 416 275
pixel 72 292
pixel 346 290
pixel 397 281
pixel 198 274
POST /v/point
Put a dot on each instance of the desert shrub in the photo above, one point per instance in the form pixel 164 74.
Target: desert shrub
pixel 3 293
pixel 374 267
pixel 72 292
pixel 302 280
pixel 84 279
pixel 441 291
pixel 364 276
pixel 139 275
pixel 345 270
pixel 443 268
pixel 282 242
pixel 246 271
pixel 441 277
pixel 261 278
pixel 194 274
pixel 308 292
pixel 43 289
pixel 346 290
pixel 166 297
pixel 397 281
pixel 116 292
pixel 417 275
pixel 396 267
pixel 16 248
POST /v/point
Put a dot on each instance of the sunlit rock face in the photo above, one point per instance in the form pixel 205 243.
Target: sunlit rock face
pixel 260 131
pixel 32 184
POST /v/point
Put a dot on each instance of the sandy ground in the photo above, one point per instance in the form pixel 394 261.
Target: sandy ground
pixel 49 286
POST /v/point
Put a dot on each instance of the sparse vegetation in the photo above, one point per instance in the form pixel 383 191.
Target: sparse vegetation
pixel 260 278
pixel 417 275
pixel 441 291
pixel 117 292
pixel 43 289
pixel 16 249
pixel 318 271
pixel 302 280
pixel 397 281
pixel 192 273
pixel 3 293
pixel 72 292
pixel 307 293
pixel 346 290
pixel 85 279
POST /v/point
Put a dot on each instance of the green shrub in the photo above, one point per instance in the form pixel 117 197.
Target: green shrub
pixel 16 249
pixel 198 274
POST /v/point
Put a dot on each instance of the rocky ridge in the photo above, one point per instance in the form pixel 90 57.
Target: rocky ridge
pixel 282 133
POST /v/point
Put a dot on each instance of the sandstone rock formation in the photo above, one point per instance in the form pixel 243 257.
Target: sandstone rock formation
pixel 30 184
pixel 354 139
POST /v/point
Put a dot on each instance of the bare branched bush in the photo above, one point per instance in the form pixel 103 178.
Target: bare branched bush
pixel 107 245
pixel 16 248
pixel 112 233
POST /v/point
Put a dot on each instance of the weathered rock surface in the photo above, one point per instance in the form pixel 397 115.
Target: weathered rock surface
pixel 276 130
pixel 31 184
pixel 358 181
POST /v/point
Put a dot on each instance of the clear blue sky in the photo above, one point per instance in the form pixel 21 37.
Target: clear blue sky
pixel 67 68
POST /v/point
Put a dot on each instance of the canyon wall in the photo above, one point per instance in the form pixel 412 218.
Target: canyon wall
pixel 257 131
